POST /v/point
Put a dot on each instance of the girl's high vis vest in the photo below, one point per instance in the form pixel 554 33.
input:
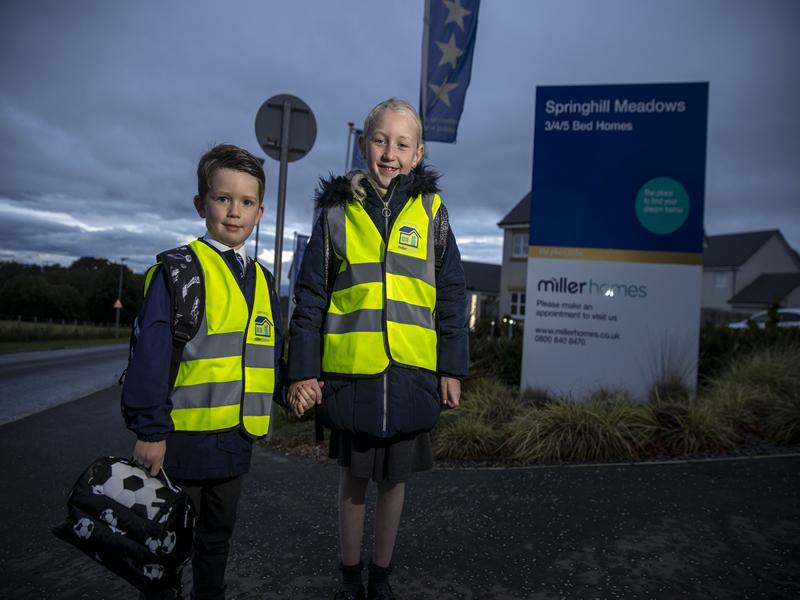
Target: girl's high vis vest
pixel 383 304
pixel 226 375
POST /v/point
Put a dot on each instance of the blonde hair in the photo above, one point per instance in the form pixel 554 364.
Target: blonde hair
pixel 394 104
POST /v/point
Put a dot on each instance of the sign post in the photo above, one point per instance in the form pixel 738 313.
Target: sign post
pixel 616 238
pixel 286 131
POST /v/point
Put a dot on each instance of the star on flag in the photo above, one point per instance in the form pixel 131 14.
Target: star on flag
pixel 443 91
pixel 456 13
pixel 450 52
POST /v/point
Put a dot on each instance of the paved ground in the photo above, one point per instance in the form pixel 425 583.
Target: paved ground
pixel 62 375
pixel 705 530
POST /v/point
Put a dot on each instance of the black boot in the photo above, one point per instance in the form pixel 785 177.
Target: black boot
pixel 352 587
pixel 378 587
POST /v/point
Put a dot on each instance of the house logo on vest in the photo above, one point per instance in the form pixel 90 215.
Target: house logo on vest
pixel 263 326
pixel 409 237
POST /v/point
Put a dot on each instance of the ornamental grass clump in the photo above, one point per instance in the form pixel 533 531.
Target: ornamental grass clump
pixel 489 400
pixel 758 392
pixel 771 373
pixel 782 422
pixel 466 437
pixel 475 430
pixel 692 427
pixel 567 431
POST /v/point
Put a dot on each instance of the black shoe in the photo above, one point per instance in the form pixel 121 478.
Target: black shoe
pixel 345 595
pixel 378 587
pixel 384 593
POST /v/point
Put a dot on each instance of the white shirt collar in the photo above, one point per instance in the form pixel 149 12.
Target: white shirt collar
pixel 223 248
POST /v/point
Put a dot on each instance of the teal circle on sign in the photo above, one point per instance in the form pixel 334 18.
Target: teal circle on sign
pixel 662 205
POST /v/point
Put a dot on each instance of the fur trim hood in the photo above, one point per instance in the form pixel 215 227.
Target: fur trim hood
pixel 336 189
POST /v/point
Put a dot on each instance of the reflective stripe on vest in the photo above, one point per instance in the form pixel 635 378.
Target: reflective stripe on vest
pixel 384 296
pixel 225 380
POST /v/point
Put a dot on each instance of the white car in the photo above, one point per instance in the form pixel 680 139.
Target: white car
pixel 787 317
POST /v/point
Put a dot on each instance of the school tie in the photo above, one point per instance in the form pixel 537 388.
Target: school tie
pixel 240 262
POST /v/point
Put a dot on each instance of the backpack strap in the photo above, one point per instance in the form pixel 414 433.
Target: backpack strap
pixel 185 284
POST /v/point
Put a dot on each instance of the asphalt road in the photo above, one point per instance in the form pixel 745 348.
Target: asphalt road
pixel 728 529
pixel 34 381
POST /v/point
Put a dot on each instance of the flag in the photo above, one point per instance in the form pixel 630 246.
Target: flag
pixel 356 160
pixel 447 45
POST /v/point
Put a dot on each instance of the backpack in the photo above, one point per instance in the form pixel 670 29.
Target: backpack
pixel 138 526
pixel 185 285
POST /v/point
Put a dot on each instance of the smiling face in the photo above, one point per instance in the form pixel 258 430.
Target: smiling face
pixel 231 207
pixel 392 147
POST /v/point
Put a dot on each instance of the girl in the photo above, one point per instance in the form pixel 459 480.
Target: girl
pixel 378 335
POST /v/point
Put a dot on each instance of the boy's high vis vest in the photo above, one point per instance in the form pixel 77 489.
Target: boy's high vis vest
pixel 383 303
pixel 226 374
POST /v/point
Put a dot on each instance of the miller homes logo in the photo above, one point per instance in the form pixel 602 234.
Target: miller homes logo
pixel 409 236
pixel 562 285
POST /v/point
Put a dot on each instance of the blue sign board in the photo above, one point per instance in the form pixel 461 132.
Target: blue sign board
pixel 620 167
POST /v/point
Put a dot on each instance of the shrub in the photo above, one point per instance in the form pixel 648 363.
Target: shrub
pixel 539 397
pixel 670 389
pixel 721 346
pixel 466 437
pixel 490 400
pixel 782 422
pixel 734 405
pixel 496 357
pixel 567 431
pixel 691 427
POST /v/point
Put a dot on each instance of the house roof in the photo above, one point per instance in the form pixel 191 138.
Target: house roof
pixel 733 249
pixel 482 277
pixel 520 214
pixel 768 288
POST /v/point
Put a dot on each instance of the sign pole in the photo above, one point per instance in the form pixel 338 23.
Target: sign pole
pixel 284 162
pixel 286 130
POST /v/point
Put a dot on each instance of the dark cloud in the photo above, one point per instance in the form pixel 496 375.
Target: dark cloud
pixel 105 107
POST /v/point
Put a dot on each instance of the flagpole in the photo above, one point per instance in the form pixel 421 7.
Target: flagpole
pixel 423 92
pixel 347 157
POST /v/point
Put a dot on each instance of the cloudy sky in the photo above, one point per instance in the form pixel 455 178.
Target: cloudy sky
pixel 105 106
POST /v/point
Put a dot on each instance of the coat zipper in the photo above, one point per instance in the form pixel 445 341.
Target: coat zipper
pixel 386 212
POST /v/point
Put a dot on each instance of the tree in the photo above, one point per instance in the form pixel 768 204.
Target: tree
pixel 31 296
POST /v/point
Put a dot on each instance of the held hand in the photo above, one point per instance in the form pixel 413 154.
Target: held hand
pixel 304 394
pixel 450 391
pixel 150 455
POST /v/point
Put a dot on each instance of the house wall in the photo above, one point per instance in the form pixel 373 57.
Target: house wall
pixel 772 257
pixel 713 296
pixel 513 275
pixel 793 299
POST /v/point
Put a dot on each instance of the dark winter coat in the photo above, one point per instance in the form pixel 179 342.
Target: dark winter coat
pixel 412 396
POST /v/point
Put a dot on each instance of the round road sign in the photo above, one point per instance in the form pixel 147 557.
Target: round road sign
pixel 302 127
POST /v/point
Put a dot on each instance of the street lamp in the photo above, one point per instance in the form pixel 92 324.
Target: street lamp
pixel 118 303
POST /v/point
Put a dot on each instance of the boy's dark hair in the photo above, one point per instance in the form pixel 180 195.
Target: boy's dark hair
pixel 228 156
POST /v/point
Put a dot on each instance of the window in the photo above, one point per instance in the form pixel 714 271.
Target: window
pixel 518 304
pixel 720 279
pixel 519 245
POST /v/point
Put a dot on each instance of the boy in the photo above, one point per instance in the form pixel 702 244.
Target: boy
pixel 196 396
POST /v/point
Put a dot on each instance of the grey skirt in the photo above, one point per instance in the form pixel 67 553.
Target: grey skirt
pixel 393 460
